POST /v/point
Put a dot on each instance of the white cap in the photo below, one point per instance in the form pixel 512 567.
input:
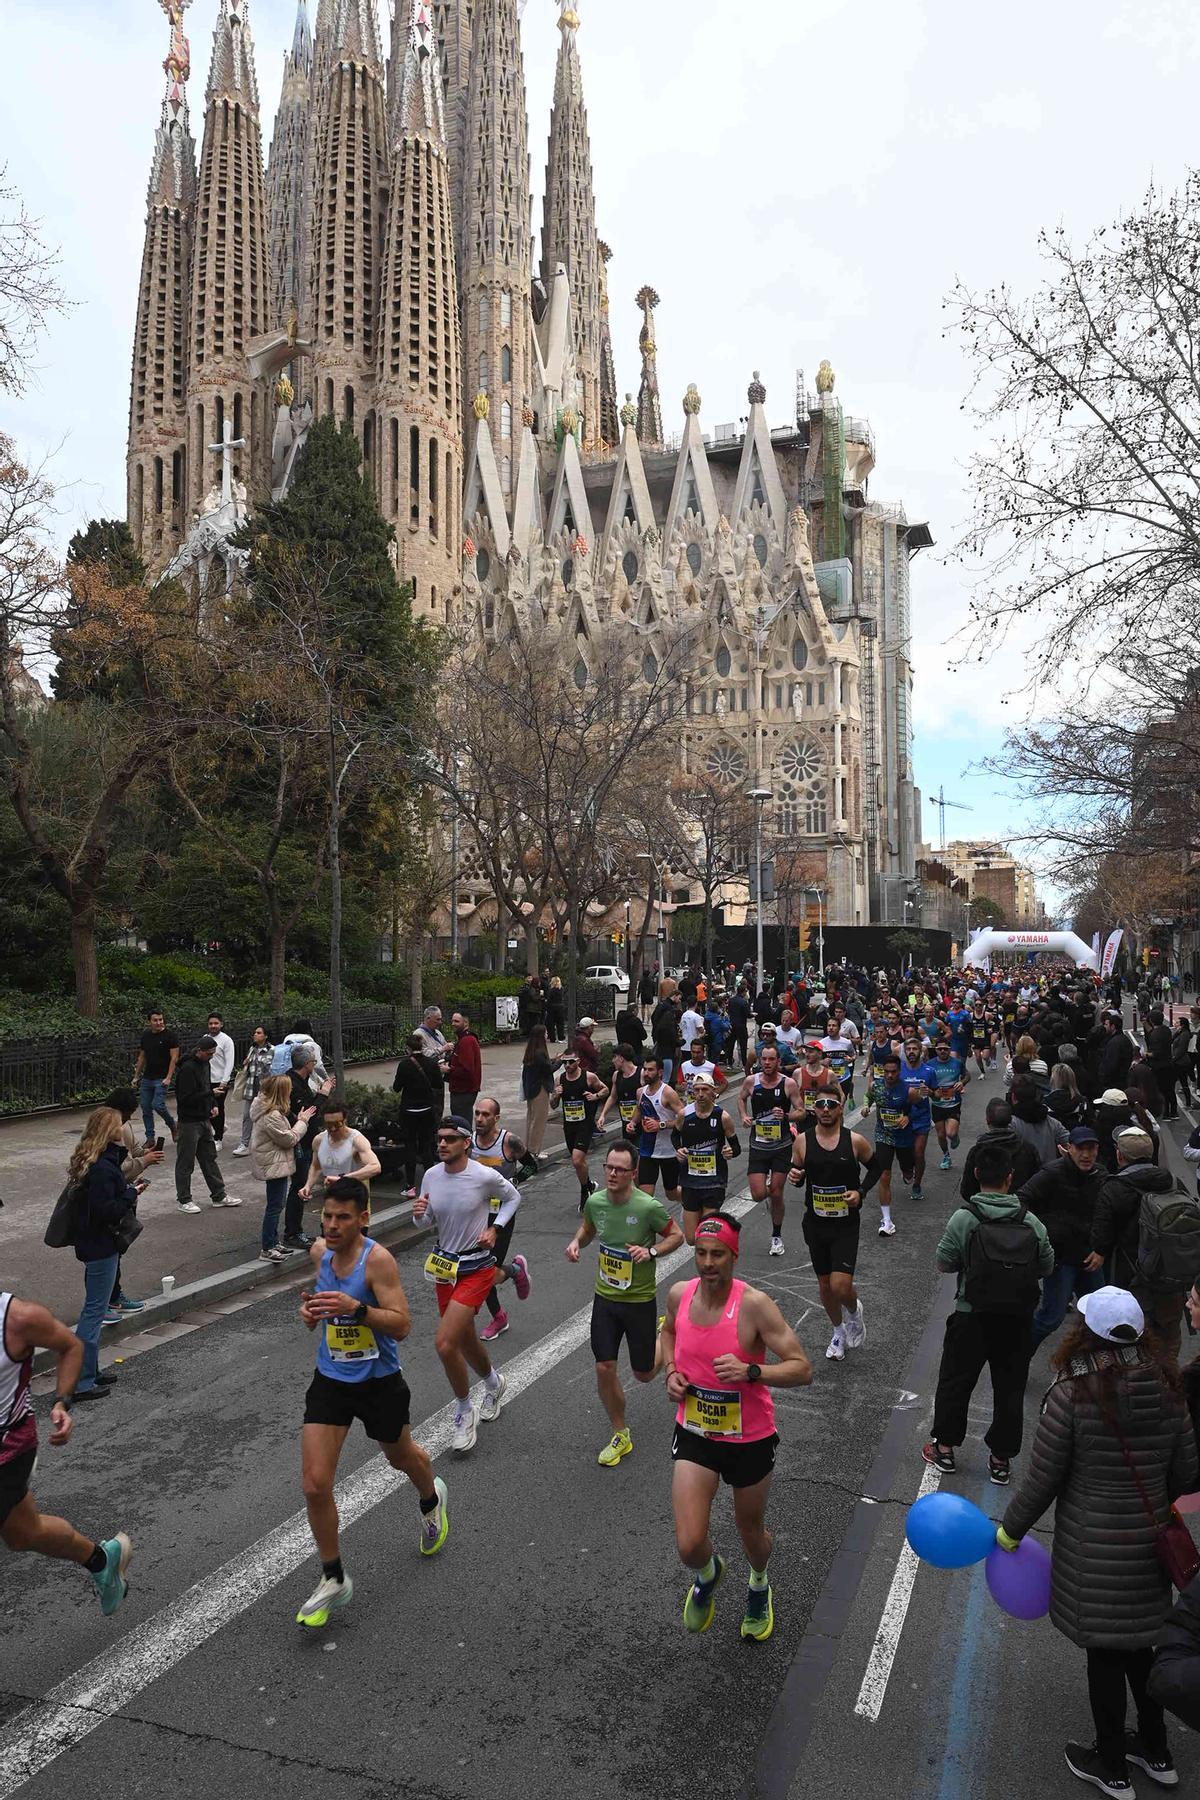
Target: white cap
pixel 703 1080
pixel 1114 1314
pixel 583 1023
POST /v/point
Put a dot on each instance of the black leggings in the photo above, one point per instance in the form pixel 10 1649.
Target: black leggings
pixel 503 1240
pixel 1108 1671
pixel 420 1143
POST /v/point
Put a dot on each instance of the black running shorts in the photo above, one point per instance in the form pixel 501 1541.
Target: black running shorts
pixel 702 1199
pixel 649 1167
pixel 942 1113
pixel 832 1244
pixel 770 1162
pixel 634 1320
pixel 579 1137
pixel 381 1405
pixel 15 1476
pixel 738 1465
pixel 904 1154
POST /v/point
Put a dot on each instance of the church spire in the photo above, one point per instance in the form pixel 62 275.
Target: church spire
pixel 230 264
pixel 350 178
pixel 569 217
pixel 610 428
pixel 156 462
pixel 649 410
pixel 418 459
pixel 287 181
pixel 497 328
pixel 452 24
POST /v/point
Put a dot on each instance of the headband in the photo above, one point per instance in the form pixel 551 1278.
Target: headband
pixel 720 1231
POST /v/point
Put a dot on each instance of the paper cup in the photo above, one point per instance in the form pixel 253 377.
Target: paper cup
pixel 168 1286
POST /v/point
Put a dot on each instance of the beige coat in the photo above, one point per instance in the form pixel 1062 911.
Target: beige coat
pixel 133 1165
pixel 273 1142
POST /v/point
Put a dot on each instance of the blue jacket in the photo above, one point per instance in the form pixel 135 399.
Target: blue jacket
pixel 718 1027
pixel 106 1198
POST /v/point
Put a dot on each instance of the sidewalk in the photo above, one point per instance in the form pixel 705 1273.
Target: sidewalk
pixel 33 1162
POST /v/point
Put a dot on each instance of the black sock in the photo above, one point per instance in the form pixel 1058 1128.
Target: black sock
pixel 334 1569
pixel 97 1562
pixel 427 1506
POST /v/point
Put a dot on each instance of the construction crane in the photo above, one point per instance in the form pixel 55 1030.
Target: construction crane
pixel 941 802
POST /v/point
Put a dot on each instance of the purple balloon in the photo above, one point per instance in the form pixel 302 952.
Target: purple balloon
pixel 1019 1580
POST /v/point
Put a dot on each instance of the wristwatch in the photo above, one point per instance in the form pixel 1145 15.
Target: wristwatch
pixel 753 1371
pixel 359 1315
pixel 653 1253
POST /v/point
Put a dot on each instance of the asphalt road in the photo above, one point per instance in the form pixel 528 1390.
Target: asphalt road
pixel 543 1650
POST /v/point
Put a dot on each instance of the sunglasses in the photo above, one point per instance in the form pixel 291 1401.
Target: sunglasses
pixel 826 1105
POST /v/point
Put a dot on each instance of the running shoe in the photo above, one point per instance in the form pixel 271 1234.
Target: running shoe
pixel 854 1328
pixel 1160 1769
pixel 226 1200
pixel 940 1455
pixel 945 1162
pixel 110 1583
pixel 494 1327
pixel 435 1525
pixel 620 1445
pixel 465 1430
pixel 1000 1470
pixel 918 1192
pixel 837 1348
pixel 887 1229
pixel 522 1280
pixel 188 1206
pixel 759 1620
pixel 1088 1764
pixel 700 1605
pixel 325 1598
pixel 776 1247
pixel 493 1400
pixel 126 1305
pixel 113 1316
pixel 242 1150
pixel 273 1255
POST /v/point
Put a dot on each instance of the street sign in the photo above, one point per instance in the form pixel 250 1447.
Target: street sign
pixel 768 880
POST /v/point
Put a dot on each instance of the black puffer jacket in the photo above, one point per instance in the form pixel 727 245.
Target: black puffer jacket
pixel 1108 1590
pixel 1064 1198
pixel 1175 1678
pixel 1025 1160
pixel 1113 1059
pixel 1115 1220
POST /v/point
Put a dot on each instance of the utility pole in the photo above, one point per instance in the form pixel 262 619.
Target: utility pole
pixel 760 796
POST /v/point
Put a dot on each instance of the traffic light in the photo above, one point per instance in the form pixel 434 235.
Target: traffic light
pixel 805 935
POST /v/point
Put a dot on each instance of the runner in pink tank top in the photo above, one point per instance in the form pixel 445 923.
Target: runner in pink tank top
pixel 715 1343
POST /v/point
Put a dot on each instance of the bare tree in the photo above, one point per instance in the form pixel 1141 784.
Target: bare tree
pixel 29 288
pixel 715 829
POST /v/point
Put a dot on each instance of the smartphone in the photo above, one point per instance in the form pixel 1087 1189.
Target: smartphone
pixel 139 1187
pixel 159 1142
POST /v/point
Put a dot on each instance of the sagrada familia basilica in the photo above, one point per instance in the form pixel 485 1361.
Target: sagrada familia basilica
pixel 379 268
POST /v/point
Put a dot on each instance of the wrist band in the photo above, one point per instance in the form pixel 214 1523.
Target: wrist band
pixel 64 1400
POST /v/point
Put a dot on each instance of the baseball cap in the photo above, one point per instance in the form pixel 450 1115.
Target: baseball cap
pixel 1113 1313
pixel 206 1042
pixel 456 1122
pixel 1083 1134
pixel 584 1022
pixel 1134 1143
pixel 1114 1097
pixel 703 1081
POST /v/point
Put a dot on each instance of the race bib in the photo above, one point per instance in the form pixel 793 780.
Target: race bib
pixel 440 1267
pixel 350 1343
pixel 494 1205
pixel 628 1111
pixel 830 1203
pixel 838 1067
pixel 713 1412
pixel 947 1094
pixel 702 1162
pixel 616 1267
pixel 768 1131
pixel 893 1120
pixel 574 1112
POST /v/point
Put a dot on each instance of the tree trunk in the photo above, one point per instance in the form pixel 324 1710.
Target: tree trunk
pixel 708 932
pixel 83 955
pixel 335 913
pixel 395 924
pixel 574 926
pixel 416 976
pixel 278 947
pixel 640 963
pixel 532 957
pixel 501 931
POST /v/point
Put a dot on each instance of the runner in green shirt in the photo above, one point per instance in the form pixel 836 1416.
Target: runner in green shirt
pixel 634 1229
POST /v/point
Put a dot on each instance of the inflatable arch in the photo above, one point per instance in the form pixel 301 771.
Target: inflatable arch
pixel 1053 943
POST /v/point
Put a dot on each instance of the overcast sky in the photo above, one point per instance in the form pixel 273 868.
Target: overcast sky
pixel 798 178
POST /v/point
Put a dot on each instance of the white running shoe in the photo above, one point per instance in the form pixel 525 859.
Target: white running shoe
pixel 887 1229
pixel 776 1247
pixel 464 1430
pixel 855 1328
pixel 188 1206
pixel 325 1598
pixel 837 1349
pixel 242 1150
pixel 492 1402
pixel 227 1200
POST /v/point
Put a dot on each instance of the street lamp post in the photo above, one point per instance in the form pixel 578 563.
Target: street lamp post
pixel 660 870
pixel 760 796
pixel 820 894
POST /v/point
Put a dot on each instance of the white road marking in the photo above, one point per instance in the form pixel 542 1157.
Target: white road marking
pixel 70 1712
pixel 871 1694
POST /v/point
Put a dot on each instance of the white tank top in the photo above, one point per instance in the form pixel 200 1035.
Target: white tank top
pixel 15 1403
pixel 337 1159
pixel 663 1147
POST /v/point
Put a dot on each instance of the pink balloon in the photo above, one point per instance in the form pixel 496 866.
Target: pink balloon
pixel 1019 1580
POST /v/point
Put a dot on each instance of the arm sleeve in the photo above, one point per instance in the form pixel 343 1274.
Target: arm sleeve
pixel 1049 1463
pixel 1107 1218
pixel 872 1171
pixel 511 1199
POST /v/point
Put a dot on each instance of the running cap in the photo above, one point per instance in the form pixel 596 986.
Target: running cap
pixel 703 1080
pixel 457 1124
pixel 584 1023
pixel 1113 1314
pixel 718 1231
pixel 1114 1097
pixel 1135 1144
pixel 1083 1134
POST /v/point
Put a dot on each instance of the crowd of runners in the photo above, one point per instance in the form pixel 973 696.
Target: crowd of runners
pixel 1062 1192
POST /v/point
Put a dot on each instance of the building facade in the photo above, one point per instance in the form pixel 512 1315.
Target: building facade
pixel 381 272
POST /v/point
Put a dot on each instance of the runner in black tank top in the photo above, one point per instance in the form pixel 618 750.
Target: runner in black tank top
pixel 700 1139
pixel 768 1103
pixel 826 1158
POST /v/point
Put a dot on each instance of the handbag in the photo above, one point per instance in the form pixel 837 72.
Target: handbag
pixel 238 1091
pixel 127 1228
pixel 1174 1543
pixel 60 1232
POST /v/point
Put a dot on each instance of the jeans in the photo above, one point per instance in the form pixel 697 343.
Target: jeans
pixel 153 1098
pixel 247 1125
pixel 974 1341
pixel 1057 1287
pixel 277 1191
pixel 293 1221
pixel 1108 1671
pixel 98 1278
pixel 195 1145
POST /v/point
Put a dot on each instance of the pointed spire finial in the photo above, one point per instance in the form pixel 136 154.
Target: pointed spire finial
pixel 649 428
pixel 756 393
pixel 691 400
pixel 421 106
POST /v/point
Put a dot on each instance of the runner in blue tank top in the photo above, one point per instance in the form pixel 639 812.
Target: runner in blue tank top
pixel 360 1311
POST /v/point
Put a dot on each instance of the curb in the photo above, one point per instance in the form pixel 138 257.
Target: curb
pixel 392 1225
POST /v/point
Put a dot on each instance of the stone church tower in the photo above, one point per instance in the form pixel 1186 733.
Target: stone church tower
pixel 287 181
pixel 569 221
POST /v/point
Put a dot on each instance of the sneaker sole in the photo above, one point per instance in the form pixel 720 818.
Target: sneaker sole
pixel 759 1630
pixel 1096 1781
pixel 1169 1779
pixel 123 1560
pixel 489 1418
pixel 711 1607
pixel 488 1336
pixel 314 1621
pixel 461 1449
pixel 610 1462
pixel 444 1533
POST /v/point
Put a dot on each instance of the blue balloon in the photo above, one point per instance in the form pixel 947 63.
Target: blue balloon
pixel 949 1531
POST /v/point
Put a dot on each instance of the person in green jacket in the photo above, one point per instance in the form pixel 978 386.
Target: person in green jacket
pixel 999 1284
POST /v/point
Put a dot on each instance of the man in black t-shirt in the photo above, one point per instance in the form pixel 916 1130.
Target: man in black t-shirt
pixel 154 1072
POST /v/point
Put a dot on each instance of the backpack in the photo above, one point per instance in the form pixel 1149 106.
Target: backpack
pixel 1000 1274
pixel 60 1232
pixel 281 1059
pixel 1169 1241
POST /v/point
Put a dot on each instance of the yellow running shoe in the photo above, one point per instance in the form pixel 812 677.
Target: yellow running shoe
pixel 701 1600
pixel 620 1445
pixel 759 1621
pixel 435 1525
pixel 326 1598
